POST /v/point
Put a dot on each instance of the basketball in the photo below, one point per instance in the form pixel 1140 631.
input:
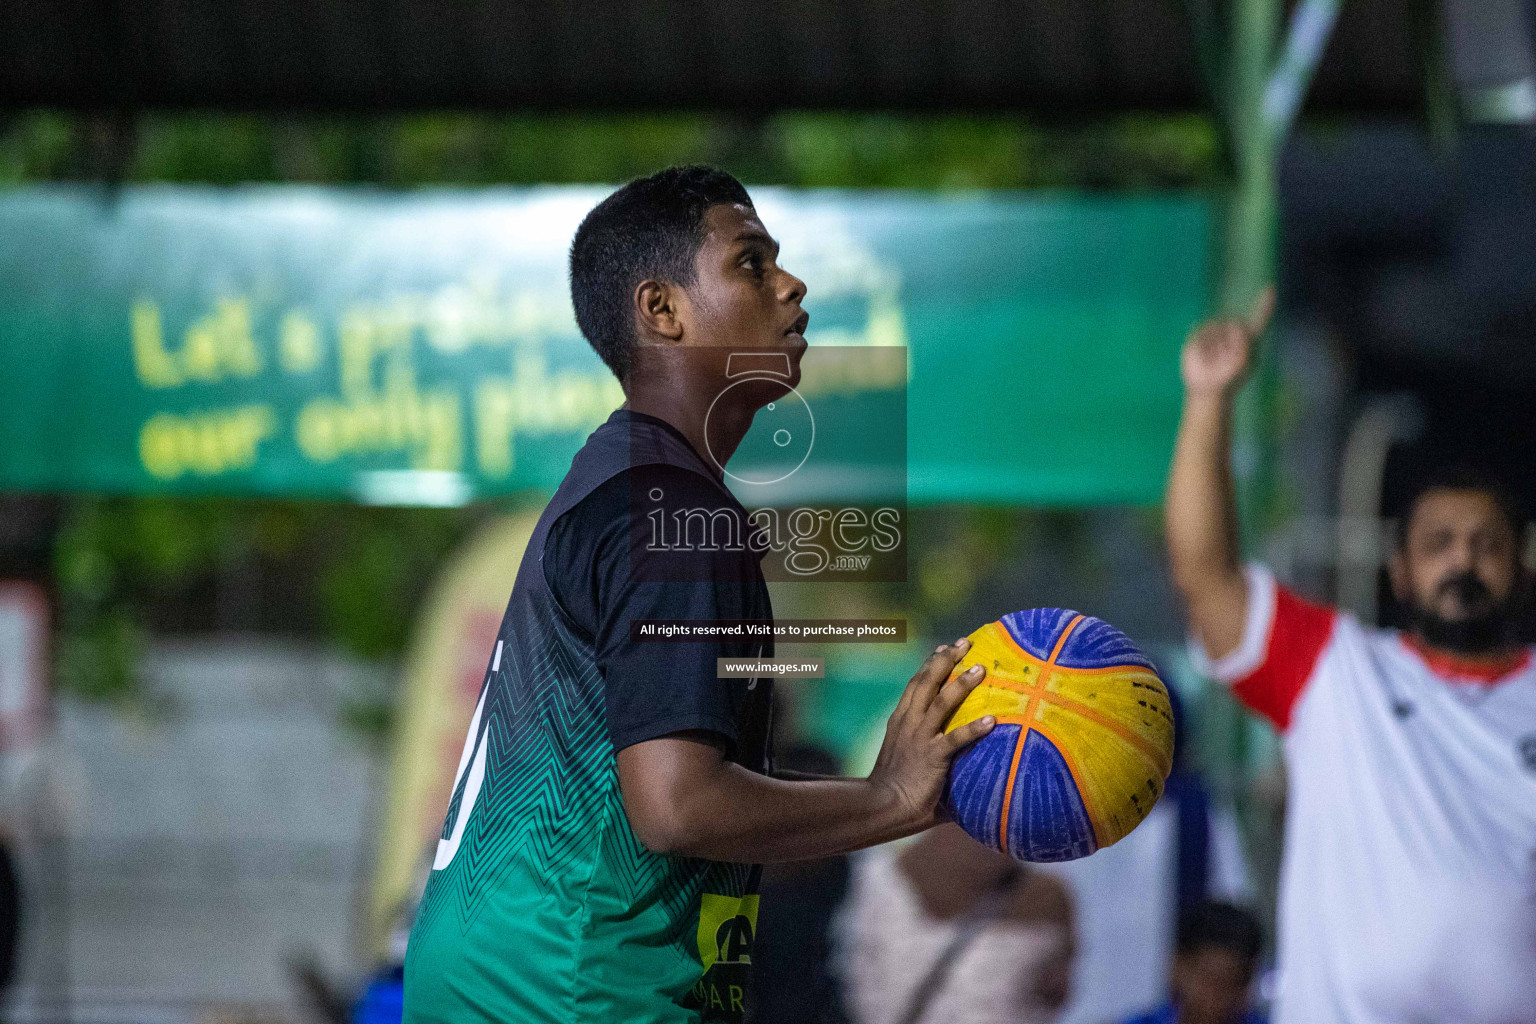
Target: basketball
pixel 1083 741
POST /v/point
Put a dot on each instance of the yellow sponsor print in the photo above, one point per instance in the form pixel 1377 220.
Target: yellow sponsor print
pixel 727 925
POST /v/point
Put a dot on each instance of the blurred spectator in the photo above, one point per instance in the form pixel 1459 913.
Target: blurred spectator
pixel 1407 887
pixel 1190 800
pixel 382 999
pixel 791 973
pixel 1214 959
pixel 944 929
pixel 1130 895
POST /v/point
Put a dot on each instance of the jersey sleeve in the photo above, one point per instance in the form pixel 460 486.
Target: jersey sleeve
pixel 1283 638
pixel 654 688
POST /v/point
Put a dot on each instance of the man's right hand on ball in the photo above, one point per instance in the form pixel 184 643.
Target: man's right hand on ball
pixel 914 758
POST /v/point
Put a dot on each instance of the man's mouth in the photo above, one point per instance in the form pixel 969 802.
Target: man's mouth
pixel 798 327
pixel 1468 589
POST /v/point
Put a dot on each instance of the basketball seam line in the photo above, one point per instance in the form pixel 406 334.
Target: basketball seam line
pixel 1037 693
pixel 1029 706
pixel 1072 706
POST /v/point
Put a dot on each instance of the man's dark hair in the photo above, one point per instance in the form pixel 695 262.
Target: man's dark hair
pixel 1459 476
pixel 1213 923
pixel 650 228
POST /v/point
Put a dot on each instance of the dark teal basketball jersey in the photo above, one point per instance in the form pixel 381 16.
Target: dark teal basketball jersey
pixel 542 905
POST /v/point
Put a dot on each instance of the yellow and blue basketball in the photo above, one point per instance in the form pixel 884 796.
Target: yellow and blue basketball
pixel 1083 741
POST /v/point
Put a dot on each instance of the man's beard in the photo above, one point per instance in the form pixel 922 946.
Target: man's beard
pixel 1488 630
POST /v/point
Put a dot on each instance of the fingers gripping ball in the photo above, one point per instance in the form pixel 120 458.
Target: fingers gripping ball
pixel 1083 743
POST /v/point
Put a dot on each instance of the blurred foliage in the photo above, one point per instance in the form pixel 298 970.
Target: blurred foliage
pixel 132 567
pixel 956 548
pixel 955 555
pixel 793 148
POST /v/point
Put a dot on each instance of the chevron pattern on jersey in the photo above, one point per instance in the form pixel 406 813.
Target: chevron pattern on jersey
pixel 549 806
pixel 548 764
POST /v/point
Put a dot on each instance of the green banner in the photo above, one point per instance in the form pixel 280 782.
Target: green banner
pixel 420 348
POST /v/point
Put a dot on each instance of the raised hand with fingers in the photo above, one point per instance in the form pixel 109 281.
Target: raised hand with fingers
pixel 914 758
pixel 1219 351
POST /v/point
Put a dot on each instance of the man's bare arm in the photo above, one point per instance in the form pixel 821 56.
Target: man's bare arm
pixel 683 797
pixel 1201 507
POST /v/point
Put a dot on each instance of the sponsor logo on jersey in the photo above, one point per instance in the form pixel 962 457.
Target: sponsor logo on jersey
pixel 726 927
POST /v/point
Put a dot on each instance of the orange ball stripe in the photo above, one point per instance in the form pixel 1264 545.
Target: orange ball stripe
pixel 1034 693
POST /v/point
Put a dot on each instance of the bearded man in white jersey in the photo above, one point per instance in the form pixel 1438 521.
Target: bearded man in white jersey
pixel 1408 882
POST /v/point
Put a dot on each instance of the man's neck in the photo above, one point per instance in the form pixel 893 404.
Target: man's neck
pixel 1485 665
pixel 679 405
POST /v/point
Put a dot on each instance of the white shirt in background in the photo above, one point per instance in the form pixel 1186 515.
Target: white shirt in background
pixel 885 943
pixel 1408 883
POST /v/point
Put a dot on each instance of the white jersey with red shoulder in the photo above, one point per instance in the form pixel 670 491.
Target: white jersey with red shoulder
pixel 1408 883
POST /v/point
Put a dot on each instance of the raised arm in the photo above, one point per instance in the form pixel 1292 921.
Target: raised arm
pixel 683 797
pixel 1200 508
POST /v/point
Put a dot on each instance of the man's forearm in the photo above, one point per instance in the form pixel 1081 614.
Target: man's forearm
pixel 1201 519
pixel 790 775
pixel 750 818
pixel 683 797
pixel 725 812
pixel 1201 513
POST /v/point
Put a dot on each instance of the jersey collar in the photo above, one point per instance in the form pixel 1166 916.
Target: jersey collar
pixel 1457 669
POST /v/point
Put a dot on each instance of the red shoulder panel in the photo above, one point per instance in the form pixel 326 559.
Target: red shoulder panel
pixel 1297 636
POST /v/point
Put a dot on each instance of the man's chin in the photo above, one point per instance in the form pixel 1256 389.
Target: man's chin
pixel 796 353
pixel 1471 635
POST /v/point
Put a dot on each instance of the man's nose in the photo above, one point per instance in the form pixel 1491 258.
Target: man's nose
pixel 791 289
pixel 1464 554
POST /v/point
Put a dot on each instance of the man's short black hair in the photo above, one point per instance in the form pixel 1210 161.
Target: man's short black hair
pixel 650 228
pixel 1213 923
pixel 1436 475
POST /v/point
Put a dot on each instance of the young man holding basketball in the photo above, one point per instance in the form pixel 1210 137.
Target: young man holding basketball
pixel 597 863
pixel 1408 885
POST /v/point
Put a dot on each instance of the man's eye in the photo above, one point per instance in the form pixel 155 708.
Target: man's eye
pixel 1490 544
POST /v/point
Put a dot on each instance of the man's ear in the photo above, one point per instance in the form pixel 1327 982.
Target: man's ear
pixel 659 310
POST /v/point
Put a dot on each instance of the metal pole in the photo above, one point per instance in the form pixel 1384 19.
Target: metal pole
pixel 1248 250
pixel 1248 265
